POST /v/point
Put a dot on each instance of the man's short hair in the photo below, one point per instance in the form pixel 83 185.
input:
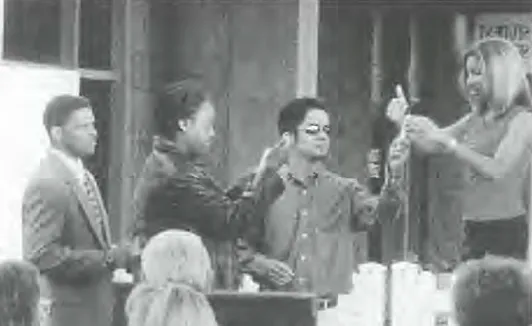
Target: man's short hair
pixel 19 293
pixel 59 109
pixel 294 112
pixel 492 291
pixel 176 101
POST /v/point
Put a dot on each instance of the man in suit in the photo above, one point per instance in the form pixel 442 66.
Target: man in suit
pixel 65 225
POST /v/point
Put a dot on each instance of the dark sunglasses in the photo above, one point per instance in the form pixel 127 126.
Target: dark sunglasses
pixel 315 129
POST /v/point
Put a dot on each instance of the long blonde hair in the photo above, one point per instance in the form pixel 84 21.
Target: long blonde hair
pixel 506 73
pixel 177 256
pixel 177 272
pixel 172 304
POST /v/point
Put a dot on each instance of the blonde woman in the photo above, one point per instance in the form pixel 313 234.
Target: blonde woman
pixel 493 141
pixel 177 271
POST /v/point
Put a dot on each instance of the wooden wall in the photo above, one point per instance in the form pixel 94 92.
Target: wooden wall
pixel 246 51
pixel 344 85
pixel 247 54
pixel 131 116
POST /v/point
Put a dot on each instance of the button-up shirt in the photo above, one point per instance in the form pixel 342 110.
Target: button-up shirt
pixel 310 227
pixel 74 165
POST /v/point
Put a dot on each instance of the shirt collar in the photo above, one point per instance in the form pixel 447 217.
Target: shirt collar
pixel 286 172
pixel 74 165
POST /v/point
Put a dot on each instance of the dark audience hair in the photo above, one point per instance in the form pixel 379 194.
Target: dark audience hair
pixel 492 291
pixel 19 293
pixel 59 109
pixel 293 113
pixel 177 101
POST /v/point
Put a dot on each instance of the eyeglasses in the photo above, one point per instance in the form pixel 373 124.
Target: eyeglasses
pixel 315 129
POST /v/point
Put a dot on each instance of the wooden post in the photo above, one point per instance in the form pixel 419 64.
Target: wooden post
pixel 376 61
pixel 307 48
pixel 460 34
pixel 131 108
pixel 387 234
pixel 70 33
pixel 413 77
pixel 2 9
pixel 121 63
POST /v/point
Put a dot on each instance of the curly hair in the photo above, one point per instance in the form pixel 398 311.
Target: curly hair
pixel 177 101
pixel 492 291
pixel 19 295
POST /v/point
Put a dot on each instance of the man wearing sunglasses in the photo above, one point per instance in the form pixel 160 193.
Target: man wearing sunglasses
pixel 303 242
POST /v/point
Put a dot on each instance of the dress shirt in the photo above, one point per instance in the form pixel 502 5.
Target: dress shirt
pixel 310 227
pixel 74 165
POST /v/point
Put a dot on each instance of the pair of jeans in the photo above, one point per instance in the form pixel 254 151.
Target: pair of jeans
pixel 501 237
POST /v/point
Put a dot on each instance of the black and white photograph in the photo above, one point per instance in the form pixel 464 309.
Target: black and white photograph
pixel 266 163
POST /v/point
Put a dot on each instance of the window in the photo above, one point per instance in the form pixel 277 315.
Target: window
pixel 32 30
pixel 76 34
pixel 95 34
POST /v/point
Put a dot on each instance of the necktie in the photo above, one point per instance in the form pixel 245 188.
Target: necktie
pixel 93 195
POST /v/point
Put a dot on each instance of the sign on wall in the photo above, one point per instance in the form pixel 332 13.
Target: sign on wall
pixel 24 92
pixel 516 28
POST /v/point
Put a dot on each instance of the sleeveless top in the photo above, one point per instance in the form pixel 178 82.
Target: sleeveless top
pixel 491 199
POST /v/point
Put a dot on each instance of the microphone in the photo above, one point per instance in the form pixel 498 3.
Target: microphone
pixel 401 138
pixel 400 94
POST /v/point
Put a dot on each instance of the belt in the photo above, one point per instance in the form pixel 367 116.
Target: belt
pixel 327 302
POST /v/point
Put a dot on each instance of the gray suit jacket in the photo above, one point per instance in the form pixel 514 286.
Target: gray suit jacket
pixel 61 237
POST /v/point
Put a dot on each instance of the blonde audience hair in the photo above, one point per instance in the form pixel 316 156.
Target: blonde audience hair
pixel 177 256
pixel 506 73
pixel 172 304
pixel 177 271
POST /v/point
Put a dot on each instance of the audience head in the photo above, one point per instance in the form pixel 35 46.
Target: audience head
pixel 305 124
pixel 185 112
pixel 171 304
pixel 177 256
pixel 494 76
pixel 70 123
pixel 19 294
pixel 492 291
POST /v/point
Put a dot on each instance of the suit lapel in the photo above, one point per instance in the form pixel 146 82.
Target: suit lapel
pixel 90 213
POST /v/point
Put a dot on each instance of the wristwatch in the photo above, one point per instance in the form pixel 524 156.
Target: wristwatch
pixel 452 143
pixel 109 261
pixel 247 194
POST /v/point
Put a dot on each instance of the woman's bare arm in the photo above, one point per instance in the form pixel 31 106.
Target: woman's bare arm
pixel 514 145
pixel 459 127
